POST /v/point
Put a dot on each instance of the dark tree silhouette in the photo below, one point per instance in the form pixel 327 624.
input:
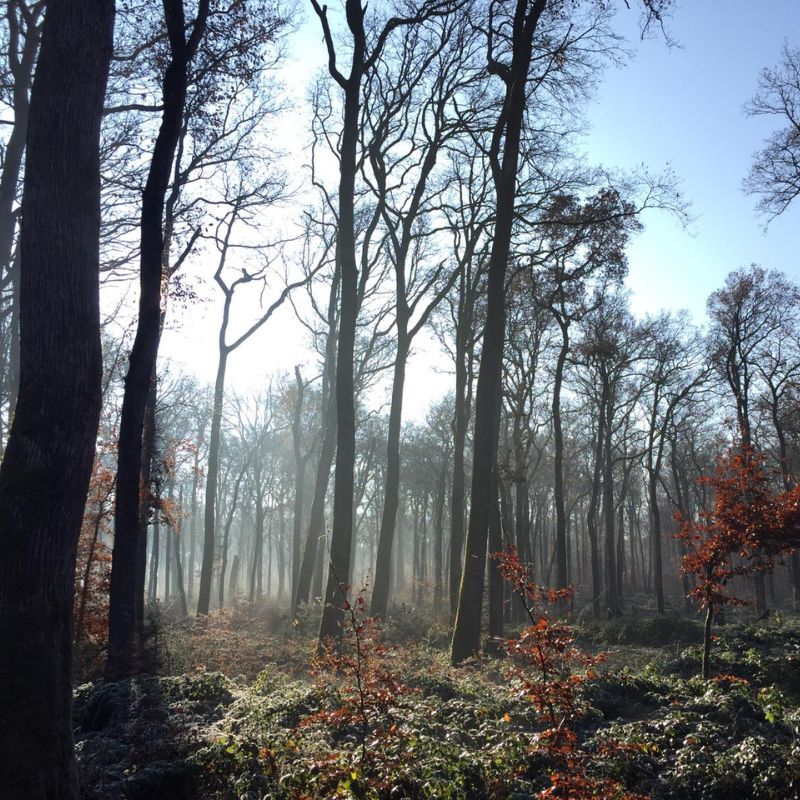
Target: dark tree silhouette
pixel 183 41
pixel 775 172
pixel 47 464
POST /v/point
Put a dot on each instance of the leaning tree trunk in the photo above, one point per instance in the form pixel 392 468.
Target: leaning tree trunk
pixel 48 459
pixel 141 370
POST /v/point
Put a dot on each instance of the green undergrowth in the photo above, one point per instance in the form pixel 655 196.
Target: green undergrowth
pixel 452 733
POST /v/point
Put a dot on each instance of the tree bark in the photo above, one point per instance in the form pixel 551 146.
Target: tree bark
pixel 610 547
pixel 299 479
pixel 342 533
pixel 559 501
pixel 466 631
pixel 47 463
pixel 316 524
pixel 460 424
pixel 383 561
pixel 212 479
pixel 144 352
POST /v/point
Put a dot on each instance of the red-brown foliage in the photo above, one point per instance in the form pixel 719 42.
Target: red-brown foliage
pixel 747 528
pixel 545 666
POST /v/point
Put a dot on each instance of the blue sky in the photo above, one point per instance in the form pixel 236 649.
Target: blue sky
pixel 683 106
pixel 680 106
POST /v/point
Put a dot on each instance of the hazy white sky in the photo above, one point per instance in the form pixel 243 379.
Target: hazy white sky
pixel 680 106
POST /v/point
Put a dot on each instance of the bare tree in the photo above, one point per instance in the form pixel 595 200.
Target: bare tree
pixel 364 53
pixel 184 40
pixel 775 172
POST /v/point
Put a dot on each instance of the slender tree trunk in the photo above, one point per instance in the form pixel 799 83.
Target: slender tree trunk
pixel 562 578
pixel 591 521
pixel 141 370
pixel 178 563
pixel 168 547
pixel 281 551
pixel 233 588
pixel 496 584
pixel 380 591
pixel 258 543
pixel 22 58
pixel 226 534
pixel 299 480
pixel 193 525
pixel 460 425
pixel 212 480
pixel 155 557
pixel 466 631
pixel 316 524
pixel 707 641
pixel 655 541
pixel 612 595
pixel 319 564
pixel 47 463
pixel 438 526
pixel 343 490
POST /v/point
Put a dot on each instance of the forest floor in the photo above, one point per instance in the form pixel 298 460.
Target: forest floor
pixel 233 712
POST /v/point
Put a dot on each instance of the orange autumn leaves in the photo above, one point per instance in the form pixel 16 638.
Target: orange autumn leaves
pixel 749 526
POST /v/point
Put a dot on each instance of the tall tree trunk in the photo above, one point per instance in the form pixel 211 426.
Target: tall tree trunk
pixel 282 552
pixel 299 480
pixel 319 564
pixel 233 588
pixel 226 533
pixel 467 628
pixel 460 424
pixel 316 524
pixel 258 544
pixel 141 370
pixel 193 525
pixel 47 463
pixel 559 501
pixel 438 526
pixel 168 538
pixel 591 520
pixel 655 540
pixel 610 545
pixel 380 591
pixel 179 562
pixel 212 480
pixel 22 49
pixel 155 558
pixel 343 487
